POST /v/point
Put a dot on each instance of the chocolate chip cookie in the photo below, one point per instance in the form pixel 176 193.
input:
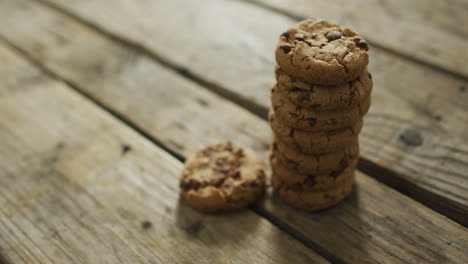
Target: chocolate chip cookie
pixel 314 142
pixel 222 177
pixel 310 119
pixel 313 164
pixel 313 182
pixel 321 97
pixel 320 52
pixel 296 196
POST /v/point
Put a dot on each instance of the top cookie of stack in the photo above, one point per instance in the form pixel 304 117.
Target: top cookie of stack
pixel 320 52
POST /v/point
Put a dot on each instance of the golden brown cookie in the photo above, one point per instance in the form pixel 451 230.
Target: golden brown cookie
pixel 313 182
pixel 314 142
pixel 222 177
pixel 313 164
pixel 320 52
pixel 295 196
pixel 310 119
pixel 321 97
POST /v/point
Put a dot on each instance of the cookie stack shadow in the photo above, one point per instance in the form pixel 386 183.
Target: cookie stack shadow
pixel 322 93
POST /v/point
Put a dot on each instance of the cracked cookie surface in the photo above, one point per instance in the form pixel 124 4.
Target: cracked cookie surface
pixel 297 197
pixel 320 52
pixel 314 142
pixel 322 97
pixel 314 164
pixel 312 182
pixel 222 177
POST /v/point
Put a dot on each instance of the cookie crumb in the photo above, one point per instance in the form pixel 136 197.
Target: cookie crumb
pixel 285 47
pixel 333 35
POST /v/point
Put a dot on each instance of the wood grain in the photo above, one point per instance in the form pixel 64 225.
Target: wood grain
pixel 429 31
pixel 235 57
pixel 70 194
pixel 375 225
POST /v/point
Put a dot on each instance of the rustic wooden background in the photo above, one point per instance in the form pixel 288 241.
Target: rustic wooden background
pixel 100 101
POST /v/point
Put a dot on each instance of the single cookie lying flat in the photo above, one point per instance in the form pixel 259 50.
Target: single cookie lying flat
pixel 222 177
pixel 314 142
pixel 314 164
pixel 310 119
pixel 313 182
pixel 297 197
pixel 321 97
pixel 321 52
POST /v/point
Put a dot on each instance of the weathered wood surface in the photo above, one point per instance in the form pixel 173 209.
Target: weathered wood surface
pixel 430 31
pixel 70 194
pixel 234 55
pixel 183 116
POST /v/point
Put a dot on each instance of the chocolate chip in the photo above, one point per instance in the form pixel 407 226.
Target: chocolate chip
pixel 314 35
pixel 208 152
pixel 362 44
pixel 334 174
pixel 239 152
pixel 275 146
pixel 228 146
pixel 255 183
pixel 237 174
pixel 218 182
pixel 293 164
pixel 296 187
pixel 310 181
pixel 261 173
pixel 186 184
pixel 312 121
pixel 303 97
pixel 286 35
pixel 344 163
pixel 300 36
pixel 333 35
pixel 286 47
pixel 293 115
pixel 411 137
pixel 332 132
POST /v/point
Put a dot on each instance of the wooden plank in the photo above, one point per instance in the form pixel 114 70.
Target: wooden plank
pixel 238 61
pixel 375 225
pixel 429 31
pixel 69 194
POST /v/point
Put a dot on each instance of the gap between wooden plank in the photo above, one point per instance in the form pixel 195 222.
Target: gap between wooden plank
pixel 388 49
pixel 260 110
pixel 361 228
pixel 256 109
pixel 320 250
pixel 83 164
pixel 91 98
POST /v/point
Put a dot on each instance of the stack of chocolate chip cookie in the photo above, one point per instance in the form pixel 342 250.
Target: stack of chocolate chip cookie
pixel 321 95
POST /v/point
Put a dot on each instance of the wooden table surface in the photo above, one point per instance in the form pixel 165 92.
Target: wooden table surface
pixel 100 101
